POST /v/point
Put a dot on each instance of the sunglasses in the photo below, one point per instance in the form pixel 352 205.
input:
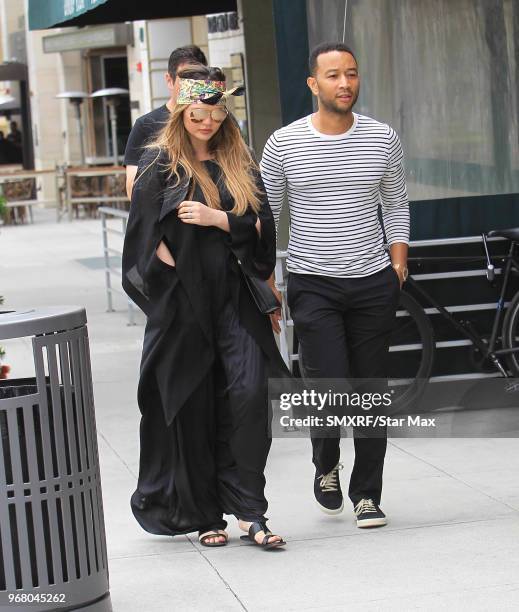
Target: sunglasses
pixel 197 115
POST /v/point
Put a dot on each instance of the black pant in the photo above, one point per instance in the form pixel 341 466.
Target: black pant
pixel 243 441
pixel 343 326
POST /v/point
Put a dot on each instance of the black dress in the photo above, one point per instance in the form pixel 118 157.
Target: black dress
pixel 217 259
pixel 209 458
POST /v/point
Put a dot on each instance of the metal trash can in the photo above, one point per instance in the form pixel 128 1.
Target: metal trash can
pixel 52 535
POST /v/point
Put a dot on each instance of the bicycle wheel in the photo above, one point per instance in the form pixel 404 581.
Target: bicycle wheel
pixel 511 334
pixel 411 348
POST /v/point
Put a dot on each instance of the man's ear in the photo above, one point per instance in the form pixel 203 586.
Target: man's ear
pixel 312 84
pixel 169 81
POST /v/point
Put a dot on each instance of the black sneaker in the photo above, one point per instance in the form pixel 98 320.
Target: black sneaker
pixel 327 491
pixel 369 514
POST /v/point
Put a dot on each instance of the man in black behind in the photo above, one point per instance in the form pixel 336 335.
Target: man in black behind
pixel 147 126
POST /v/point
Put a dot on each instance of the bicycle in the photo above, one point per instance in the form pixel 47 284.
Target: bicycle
pixel 415 326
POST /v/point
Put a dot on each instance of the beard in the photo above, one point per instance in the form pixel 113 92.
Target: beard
pixel 331 105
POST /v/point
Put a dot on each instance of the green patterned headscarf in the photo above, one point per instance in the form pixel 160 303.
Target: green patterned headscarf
pixel 206 91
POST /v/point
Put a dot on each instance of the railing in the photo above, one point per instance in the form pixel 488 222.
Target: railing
pixel 107 212
pixel 69 200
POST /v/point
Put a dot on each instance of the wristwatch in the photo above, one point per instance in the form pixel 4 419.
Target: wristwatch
pixel 401 267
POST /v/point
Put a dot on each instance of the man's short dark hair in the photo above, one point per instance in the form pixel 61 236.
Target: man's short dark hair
pixel 326 47
pixel 190 54
pixel 200 71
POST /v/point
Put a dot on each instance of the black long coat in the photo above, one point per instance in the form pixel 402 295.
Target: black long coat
pixel 178 348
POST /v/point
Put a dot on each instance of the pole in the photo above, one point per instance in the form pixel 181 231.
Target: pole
pixel 113 121
pixel 68 195
pixel 106 253
pixel 80 131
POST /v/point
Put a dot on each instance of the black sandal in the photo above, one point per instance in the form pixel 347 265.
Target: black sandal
pixel 265 543
pixel 204 536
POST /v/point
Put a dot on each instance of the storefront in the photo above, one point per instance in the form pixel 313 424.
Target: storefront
pixel 100 61
pixel 124 47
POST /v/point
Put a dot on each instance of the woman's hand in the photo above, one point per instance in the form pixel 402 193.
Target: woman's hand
pixel 196 213
pixel 275 317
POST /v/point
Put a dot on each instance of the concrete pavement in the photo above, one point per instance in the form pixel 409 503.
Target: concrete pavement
pixel 453 504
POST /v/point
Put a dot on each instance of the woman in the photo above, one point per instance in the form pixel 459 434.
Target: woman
pixel 199 220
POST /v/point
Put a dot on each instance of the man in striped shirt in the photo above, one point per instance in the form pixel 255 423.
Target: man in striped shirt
pixel 338 168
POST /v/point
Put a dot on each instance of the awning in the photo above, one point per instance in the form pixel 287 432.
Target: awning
pixel 44 14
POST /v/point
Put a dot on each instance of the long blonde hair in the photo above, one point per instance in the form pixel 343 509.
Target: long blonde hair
pixel 227 146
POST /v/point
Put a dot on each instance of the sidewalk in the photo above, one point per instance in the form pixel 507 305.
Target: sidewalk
pixel 453 504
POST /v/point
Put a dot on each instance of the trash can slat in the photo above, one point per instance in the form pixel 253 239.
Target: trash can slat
pixel 78 405
pixel 86 386
pixel 67 390
pixel 57 408
pixel 14 449
pixel 43 410
pixel 39 542
pixel 5 531
pixel 23 541
pixel 32 460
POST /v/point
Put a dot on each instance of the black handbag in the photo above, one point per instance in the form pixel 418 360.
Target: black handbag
pixel 262 294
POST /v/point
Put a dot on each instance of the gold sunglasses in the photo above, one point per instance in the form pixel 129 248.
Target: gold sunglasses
pixel 197 115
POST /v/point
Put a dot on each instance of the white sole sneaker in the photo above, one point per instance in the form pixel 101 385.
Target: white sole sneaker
pixel 328 511
pixel 374 522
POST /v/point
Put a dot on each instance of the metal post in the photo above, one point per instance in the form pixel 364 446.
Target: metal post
pixel 131 309
pixel 80 131
pixel 113 122
pixel 108 282
pixel 58 198
pixel 68 202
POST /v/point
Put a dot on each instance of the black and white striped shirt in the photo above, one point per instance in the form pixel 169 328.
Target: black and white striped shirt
pixel 335 184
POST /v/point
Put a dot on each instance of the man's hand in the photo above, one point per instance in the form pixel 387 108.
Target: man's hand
pixel 398 252
pixel 196 213
pixel 400 274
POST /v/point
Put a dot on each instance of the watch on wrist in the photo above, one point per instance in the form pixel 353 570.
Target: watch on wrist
pixel 398 267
